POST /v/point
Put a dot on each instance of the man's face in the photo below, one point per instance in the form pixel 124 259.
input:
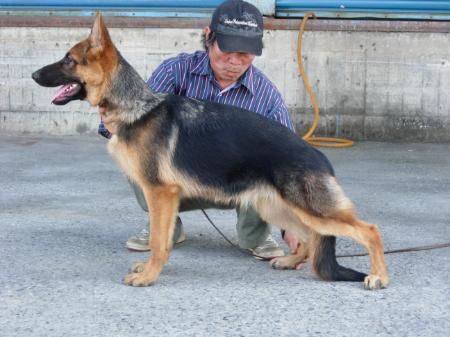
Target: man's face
pixel 228 67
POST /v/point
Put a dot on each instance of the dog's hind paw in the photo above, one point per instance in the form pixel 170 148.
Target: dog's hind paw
pixel 373 282
pixel 287 262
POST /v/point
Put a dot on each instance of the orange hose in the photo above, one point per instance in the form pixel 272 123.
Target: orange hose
pixel 315 141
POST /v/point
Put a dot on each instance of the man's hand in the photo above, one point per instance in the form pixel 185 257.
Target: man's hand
pixel 108 121
pixel 293 244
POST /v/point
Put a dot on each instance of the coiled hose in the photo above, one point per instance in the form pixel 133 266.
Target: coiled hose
pixel 315 141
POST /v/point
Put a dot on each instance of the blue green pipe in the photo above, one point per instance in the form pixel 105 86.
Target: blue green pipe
pixel 138 4
pixel 365 6
pixel 416 9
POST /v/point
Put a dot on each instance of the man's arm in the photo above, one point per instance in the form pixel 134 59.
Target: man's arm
pixel 279 112
pixel 163 78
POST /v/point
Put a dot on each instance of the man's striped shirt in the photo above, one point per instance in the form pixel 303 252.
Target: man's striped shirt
pixel 191 75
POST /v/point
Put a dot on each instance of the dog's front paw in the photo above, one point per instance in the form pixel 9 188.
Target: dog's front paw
pixel 372 282
pixel 139 280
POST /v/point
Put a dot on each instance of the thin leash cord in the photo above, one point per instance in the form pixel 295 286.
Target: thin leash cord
pixel 394 251
pixel 404 250
pixel 243 251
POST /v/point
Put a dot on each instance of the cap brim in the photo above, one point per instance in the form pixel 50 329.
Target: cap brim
pixel 241 44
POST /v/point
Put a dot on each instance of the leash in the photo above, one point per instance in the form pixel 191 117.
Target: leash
pixel 393 251
pixel 405 250
pixel 243 251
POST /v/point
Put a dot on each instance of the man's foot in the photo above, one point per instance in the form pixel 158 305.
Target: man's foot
pixel 139 242
pixel 268 249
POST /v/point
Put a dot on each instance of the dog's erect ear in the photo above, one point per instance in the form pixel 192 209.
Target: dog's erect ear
pixel 99 38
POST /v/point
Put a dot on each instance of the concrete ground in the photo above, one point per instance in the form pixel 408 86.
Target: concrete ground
pixel 66 212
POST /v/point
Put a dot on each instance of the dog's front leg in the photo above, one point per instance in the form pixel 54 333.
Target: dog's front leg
pixel 163 204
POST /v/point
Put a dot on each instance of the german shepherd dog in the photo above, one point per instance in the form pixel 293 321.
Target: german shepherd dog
pixel 176 147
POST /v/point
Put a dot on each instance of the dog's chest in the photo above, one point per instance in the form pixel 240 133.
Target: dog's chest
pixel 126 156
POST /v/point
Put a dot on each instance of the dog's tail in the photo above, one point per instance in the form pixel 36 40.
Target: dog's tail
pixel 326 265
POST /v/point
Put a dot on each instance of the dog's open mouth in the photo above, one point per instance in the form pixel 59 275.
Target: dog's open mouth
pixel 66 93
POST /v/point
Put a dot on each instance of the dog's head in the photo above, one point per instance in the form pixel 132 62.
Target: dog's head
pixel 86 69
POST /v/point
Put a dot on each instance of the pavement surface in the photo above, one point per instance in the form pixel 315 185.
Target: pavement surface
pixel 66 212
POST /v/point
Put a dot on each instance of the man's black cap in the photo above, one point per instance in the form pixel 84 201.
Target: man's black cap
pixel 238 26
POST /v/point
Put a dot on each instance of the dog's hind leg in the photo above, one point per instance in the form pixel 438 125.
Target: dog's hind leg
pixel 163 204
pixel 369 236
pixel 346 223
pixel 276 212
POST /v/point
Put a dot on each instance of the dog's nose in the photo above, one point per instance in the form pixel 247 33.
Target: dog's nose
pixel 36 75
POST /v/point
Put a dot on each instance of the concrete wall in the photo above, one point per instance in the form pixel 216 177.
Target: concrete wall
pixel 369 85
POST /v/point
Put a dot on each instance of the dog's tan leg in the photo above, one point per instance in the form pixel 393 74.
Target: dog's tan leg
pixel 276 212
pixel 346 223
pixel 163 204
pixel 369 236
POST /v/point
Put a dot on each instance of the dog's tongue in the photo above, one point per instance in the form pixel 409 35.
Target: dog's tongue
pixel 64 91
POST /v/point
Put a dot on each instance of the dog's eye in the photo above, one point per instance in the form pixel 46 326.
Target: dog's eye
pixel 68 60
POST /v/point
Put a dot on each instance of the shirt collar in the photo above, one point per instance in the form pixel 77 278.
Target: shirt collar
pixel 204 68
pixel 248 79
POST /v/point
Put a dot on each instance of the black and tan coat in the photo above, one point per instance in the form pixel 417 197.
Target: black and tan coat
pixel 176 147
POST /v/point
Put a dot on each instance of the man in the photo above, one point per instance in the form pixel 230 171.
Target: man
pixel 223 73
